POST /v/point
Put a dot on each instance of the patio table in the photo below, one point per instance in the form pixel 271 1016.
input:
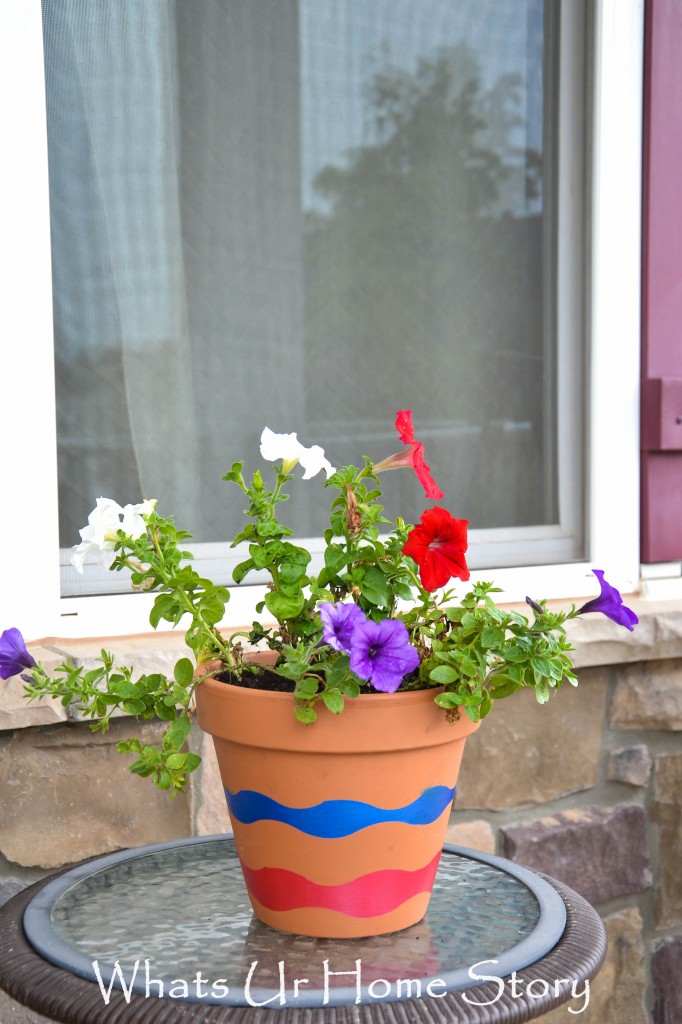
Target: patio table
pixel 499 943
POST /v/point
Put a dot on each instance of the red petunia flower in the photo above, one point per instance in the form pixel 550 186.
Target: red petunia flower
pixel 437 544
pixel 414 456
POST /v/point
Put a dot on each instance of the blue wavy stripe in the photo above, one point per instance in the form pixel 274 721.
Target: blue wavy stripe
pixel 334 819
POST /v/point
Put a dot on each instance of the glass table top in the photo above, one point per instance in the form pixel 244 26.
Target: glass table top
pixel 176 920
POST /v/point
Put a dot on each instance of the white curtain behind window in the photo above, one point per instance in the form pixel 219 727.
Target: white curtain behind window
pixel 176 245
pixel 306 214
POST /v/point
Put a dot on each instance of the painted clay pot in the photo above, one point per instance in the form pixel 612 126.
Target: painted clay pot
pixel 339 825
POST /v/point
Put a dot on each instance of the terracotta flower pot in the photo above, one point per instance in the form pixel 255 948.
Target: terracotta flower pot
pixel 338 825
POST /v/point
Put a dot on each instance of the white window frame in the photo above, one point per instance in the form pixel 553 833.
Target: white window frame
pixel 30 591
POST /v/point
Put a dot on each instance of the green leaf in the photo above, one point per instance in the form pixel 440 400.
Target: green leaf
pixel 133 707
pixel 485 706
pixel 444 674
pixel 306 687
pixel 129 746
pixel 473 712
pixel 179 695
pixel 124 689
pixel 333 701
pixel 349 687
pixel 293 669
pixel 492 636
pixel 269 528
pixel 262 557
pixel 180 729
pixel 306 715
pixel 283 606
pixel 469 621
pixel 335 558
pixel 503 686
pixel 184 672
pixel 324 577
pixel 176 762
pixel 515 653
pixel 246 534
pixel 292 574
pixel 212 610
pixel 515 672
pixel 338 670
pixel 453 614
pixel 542 691
pixel 374 588
pixel 242 570
pixel 235 473
pixel 470 699
pixel 447 700
pixel 163 608
pixel 164 712
pixel 541 666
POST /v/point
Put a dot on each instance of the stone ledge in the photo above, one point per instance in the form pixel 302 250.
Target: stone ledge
pixel 598 642
pixel 146 652
pixel 16 712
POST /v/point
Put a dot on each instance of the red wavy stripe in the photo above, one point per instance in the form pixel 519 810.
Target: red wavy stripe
pixel 368 896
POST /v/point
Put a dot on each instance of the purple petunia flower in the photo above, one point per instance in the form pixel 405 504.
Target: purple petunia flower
pixel 610 603
pixel 338 623
pixel 13 654
pixel 382 654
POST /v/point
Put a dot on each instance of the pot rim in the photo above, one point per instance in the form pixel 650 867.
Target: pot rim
pixel 371 722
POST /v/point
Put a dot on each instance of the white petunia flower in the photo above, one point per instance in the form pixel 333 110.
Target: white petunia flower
pixel 313 460
pixel 289 449
pixel 99 537
pixel 286 447
pixel 133 524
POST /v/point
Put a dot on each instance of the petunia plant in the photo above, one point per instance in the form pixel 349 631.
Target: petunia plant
pixel 385 612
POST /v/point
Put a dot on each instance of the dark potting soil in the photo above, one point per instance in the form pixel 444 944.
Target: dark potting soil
pixel 260 680
pixel 263 679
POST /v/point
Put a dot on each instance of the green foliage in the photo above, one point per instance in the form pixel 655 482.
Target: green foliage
pixel 168 764
pixel 471 652
pixel 99 692
pixel 480 653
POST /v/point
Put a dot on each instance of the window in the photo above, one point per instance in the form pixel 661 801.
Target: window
pixel 221 251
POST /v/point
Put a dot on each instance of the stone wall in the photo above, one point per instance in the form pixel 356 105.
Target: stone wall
pixel 587 790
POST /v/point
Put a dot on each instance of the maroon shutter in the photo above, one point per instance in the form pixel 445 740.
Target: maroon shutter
pixel 662 284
